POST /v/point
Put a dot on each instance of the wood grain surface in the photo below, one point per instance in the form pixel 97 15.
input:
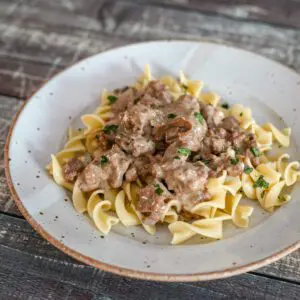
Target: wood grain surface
pixel 39 38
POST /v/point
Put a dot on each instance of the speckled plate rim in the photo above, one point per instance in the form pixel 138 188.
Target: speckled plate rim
pixel 113 268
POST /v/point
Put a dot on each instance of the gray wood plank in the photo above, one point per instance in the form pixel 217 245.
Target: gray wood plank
pixel 30 265
pixel 8 108
pixel 279 12
pixel 39 38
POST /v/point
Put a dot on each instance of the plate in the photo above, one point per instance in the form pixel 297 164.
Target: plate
pixel 39 129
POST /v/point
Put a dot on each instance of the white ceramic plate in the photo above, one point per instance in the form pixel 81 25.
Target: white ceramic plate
pixel 270 89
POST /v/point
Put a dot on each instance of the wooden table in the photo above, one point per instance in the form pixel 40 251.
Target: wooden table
pixel 41 37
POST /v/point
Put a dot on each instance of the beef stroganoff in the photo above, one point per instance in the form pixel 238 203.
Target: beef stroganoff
pixel 164 151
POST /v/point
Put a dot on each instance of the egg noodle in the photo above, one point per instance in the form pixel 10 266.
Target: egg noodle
pixel 109 207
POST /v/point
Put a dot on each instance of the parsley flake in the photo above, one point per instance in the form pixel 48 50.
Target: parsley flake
pixel 184 151
pixel 158 189
pixel 110 128
pixel 177 157
pixel 112 99
pixel 241 114
pixel 104 160
pixel 260 182
pixel 234 161
pixel 248 170
pixel 172 116
pixel 205 161
pixel 255 151
pixel 225 105
pixel 199 117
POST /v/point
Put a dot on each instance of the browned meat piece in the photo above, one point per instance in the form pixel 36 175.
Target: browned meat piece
pixel 151 201
pixel 92 178
pixel 173 130
pixel 172 153
pixel 235 169
pixel 192 199
pixel 135 145
pixel 108 168
pixel 102 141
pixel 136 120
pixel 124 100
pixel 238 140
pixel 212 115
pixel 218 145
pixel 219 132
pixel 156 103
pixel 74 166
pixel 155 95
pixel 254 160
pixel 116 166
pixel 141 167
pixel 230 123
pixel 131 174
pixel 215 142
pixel 215 145
pixel 185 105
pixel 185 177
pixel 193 140
pixel 155 89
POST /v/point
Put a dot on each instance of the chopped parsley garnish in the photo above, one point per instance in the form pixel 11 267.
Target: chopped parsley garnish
pixel 262 194
pixel 241 114
pixel 104 160
pixel 172 116
pixel 177 157
pixel 225 105
pixel 281 198
pixel 234 161
pixel 248 170
pixel 158 189
pixel 184 151
pixel 260 182
pixel 199 117
pixel 255 151
pixel 110 128
pixel 205 161
pixel 112 99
